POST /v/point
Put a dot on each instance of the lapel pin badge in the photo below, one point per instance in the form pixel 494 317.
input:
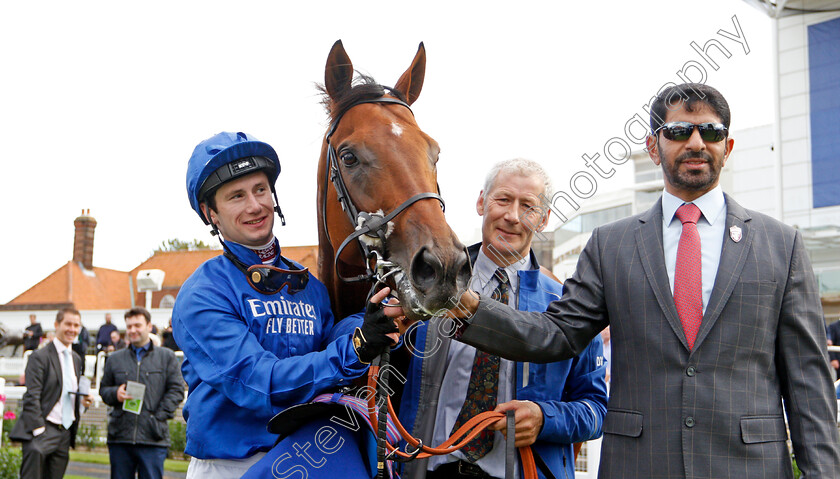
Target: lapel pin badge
pixel 735 233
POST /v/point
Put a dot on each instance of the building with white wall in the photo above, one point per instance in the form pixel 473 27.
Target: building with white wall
pixel 788 169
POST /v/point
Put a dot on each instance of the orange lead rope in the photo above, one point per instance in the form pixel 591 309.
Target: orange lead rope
pixel 458 439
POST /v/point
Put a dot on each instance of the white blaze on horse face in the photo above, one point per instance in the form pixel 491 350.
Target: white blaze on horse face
pixel 396 129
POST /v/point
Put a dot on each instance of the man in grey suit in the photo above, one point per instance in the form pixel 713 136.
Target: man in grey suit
pixel 50 416
pixel 715 318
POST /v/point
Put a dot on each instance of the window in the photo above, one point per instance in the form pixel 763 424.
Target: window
pixel 167 301
pixel 829 282
pixel 824 74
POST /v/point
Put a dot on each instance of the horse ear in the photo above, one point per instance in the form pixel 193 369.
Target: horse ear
pixel 339 71
pixel 411 82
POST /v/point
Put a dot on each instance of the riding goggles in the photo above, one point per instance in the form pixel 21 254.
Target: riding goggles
pixel 271 279
pixel 268 279
pixel 682 131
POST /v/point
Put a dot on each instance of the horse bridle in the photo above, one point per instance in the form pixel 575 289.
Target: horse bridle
pixel 373 225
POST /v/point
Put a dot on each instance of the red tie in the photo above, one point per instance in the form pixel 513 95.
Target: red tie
pixel 688 279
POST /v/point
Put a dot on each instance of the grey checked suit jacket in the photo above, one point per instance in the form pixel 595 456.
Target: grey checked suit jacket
pixel 715 411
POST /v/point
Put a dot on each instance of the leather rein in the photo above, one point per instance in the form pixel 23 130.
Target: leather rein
pixel 459 438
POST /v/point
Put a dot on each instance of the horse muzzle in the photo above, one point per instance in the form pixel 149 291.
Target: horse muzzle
pixel 433 284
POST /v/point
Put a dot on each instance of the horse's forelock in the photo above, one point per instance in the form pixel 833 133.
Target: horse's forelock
pixel 364 88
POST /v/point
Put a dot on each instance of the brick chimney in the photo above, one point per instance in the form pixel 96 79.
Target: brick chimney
pixel 83 242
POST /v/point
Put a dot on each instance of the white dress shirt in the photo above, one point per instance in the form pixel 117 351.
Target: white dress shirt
pixel 55 413
pixel 710 227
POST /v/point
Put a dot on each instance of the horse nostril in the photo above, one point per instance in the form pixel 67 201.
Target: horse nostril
pixel 424 269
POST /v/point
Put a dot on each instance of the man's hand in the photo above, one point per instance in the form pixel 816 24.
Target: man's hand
pixel 529 420
pixel 88 400
pixel 121 394
pixel 379 330
pixel 467 306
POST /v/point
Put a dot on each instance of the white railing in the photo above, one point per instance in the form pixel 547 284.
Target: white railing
pixel 12 366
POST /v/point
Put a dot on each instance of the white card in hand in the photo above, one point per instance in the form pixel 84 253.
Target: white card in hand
pixel 136 391
pixel 84 386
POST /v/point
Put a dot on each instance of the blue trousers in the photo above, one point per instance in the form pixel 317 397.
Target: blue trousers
pixel 128 459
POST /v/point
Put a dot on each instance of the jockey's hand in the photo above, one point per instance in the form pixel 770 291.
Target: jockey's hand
pixel 528 417
pixel 378 331
pixel 394 311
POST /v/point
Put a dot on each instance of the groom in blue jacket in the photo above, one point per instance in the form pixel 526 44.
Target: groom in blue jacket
pixel 555 404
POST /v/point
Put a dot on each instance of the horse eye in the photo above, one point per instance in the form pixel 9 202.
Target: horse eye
pixel 348 158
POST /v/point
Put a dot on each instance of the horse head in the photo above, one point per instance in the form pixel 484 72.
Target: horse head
pixel 383 171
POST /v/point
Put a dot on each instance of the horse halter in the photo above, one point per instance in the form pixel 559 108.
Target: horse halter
pixel 366 224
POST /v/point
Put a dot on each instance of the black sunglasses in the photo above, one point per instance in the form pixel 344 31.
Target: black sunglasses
pixel 682 131
pixel 271 279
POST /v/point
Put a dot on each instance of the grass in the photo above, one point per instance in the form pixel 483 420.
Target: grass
pixel 90 457
pixel 172 465
pixel 175 465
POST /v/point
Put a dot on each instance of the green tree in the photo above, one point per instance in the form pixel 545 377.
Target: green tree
pixel 175 244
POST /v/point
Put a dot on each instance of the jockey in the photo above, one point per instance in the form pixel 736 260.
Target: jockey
pixel 255 327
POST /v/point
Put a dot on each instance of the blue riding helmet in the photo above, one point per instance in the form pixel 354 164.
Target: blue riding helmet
pixel 225 157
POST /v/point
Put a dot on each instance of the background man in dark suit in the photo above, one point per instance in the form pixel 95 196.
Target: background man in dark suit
pixel 103 336
pixel 50 416
pixel 708 338
pixel 32 334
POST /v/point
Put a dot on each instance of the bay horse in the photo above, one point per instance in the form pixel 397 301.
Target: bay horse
pixel 378 201
pixel 382 167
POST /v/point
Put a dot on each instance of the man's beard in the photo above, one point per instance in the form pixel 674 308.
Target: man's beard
pixel 691 179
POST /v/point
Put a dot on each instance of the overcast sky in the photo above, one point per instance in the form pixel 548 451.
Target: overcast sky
pixel 103 102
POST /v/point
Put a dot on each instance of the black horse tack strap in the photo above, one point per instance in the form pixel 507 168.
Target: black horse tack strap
pixel 375 226
pixel 510 453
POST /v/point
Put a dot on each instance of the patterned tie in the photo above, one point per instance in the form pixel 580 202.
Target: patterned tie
pixel 484 385
pixel 68 378
pixel 500 294
pixel 688 278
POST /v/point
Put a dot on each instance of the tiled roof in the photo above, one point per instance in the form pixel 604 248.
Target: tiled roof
pixel 305 255
pixel 178 265
pixel 103 288
pixel 100 288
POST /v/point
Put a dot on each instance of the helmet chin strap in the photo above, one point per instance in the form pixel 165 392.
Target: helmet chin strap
pixel 277 208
